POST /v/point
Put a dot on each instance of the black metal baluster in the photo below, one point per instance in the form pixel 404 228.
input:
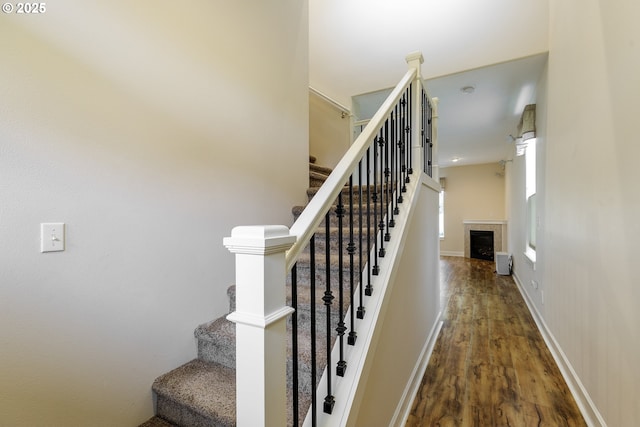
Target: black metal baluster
pixel 406 147
pixel 312 272
pixel 341 329
pixel 369 288
pixel 351 250
pixel 423 132
pixel 361 308
pixel 398 179
pixel 408 129
pixel 430 137
pixel 379 141
pixel 294 344
pixel 381 252
pixel 387 184
pixel 391 213
pixel 329 400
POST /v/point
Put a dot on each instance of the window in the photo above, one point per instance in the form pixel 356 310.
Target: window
pixel 441 213
pixel 530 194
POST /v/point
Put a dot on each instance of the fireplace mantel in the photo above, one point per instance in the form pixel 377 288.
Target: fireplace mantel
pixel 489 221
pixel 499 228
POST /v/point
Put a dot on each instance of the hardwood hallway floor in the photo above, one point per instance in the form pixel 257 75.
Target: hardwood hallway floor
pixel 490 366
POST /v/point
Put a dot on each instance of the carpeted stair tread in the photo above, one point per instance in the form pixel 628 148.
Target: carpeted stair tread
pixel 202 392
pixel 313 168
pixel 334 220
pixel 156 422
pixel 312 191
pixel 197 394
pixel 304 263
pixel 297 210
pixel 334 232
pixel 316 179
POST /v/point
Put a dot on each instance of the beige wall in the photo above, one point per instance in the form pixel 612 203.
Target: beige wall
pixel 473 192
pixel 329 131
pixel 592 297
pixel 588 293
pixel 414 310
pixel 150 129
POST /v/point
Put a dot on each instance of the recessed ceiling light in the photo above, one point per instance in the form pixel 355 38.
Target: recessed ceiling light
pixel 468 89
pixel 455 159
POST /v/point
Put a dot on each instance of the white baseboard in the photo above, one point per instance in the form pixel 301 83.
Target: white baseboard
pixel 588 409
pixel 411 390
pixel 452 253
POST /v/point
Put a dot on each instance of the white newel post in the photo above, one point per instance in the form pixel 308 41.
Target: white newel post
pixel 260 319
pixel 415 60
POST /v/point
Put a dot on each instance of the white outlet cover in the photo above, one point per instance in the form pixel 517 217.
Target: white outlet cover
pixel 52 237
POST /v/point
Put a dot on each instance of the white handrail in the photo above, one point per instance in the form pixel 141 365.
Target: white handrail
pixel 314 213
pixel 344 110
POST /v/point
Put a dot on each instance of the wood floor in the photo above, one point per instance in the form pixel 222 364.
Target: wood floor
pixel 490 366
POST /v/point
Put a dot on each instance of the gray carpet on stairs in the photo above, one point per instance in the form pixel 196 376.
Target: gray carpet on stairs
pixel 202 392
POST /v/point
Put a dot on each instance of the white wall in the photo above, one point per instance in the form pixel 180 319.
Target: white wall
pixel 414 308
pixel 528 273
pixel 150 129
pixel 592 204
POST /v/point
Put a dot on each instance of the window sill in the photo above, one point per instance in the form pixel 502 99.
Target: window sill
pixel 530 255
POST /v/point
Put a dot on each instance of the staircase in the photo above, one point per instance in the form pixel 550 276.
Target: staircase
pixel 398 139
pixel 202 391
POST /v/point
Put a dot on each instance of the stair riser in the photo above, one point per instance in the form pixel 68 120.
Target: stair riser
pixel 216 352
pixel 180 415
pixel 316 182
pixel 356 199
pixel 216 343
pixel 335 222
pixel 334 247
pixel 177 400
pixel 303 273
pixel 320 169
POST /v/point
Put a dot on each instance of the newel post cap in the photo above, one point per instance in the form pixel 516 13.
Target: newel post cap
pixel 415 60
pixel 415 56
pixel 259 239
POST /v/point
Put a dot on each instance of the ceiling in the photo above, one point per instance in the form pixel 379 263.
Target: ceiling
pixel 357 49
pixel 475 128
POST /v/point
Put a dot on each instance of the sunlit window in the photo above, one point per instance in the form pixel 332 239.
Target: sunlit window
pixel 441 214
pixel 530 194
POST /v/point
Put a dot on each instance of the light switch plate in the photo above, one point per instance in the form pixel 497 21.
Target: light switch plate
pixel 52 237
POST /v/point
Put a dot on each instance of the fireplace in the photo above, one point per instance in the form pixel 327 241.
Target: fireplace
pixel 498 227
pixel 481 244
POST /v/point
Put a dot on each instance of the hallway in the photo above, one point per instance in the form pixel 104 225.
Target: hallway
pixel 490 365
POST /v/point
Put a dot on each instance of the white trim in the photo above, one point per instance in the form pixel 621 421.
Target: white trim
pixel 413 386
pixel 452 253
pixel 530 255
pixel 587 407
pixel 492 222
pixel 259 321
